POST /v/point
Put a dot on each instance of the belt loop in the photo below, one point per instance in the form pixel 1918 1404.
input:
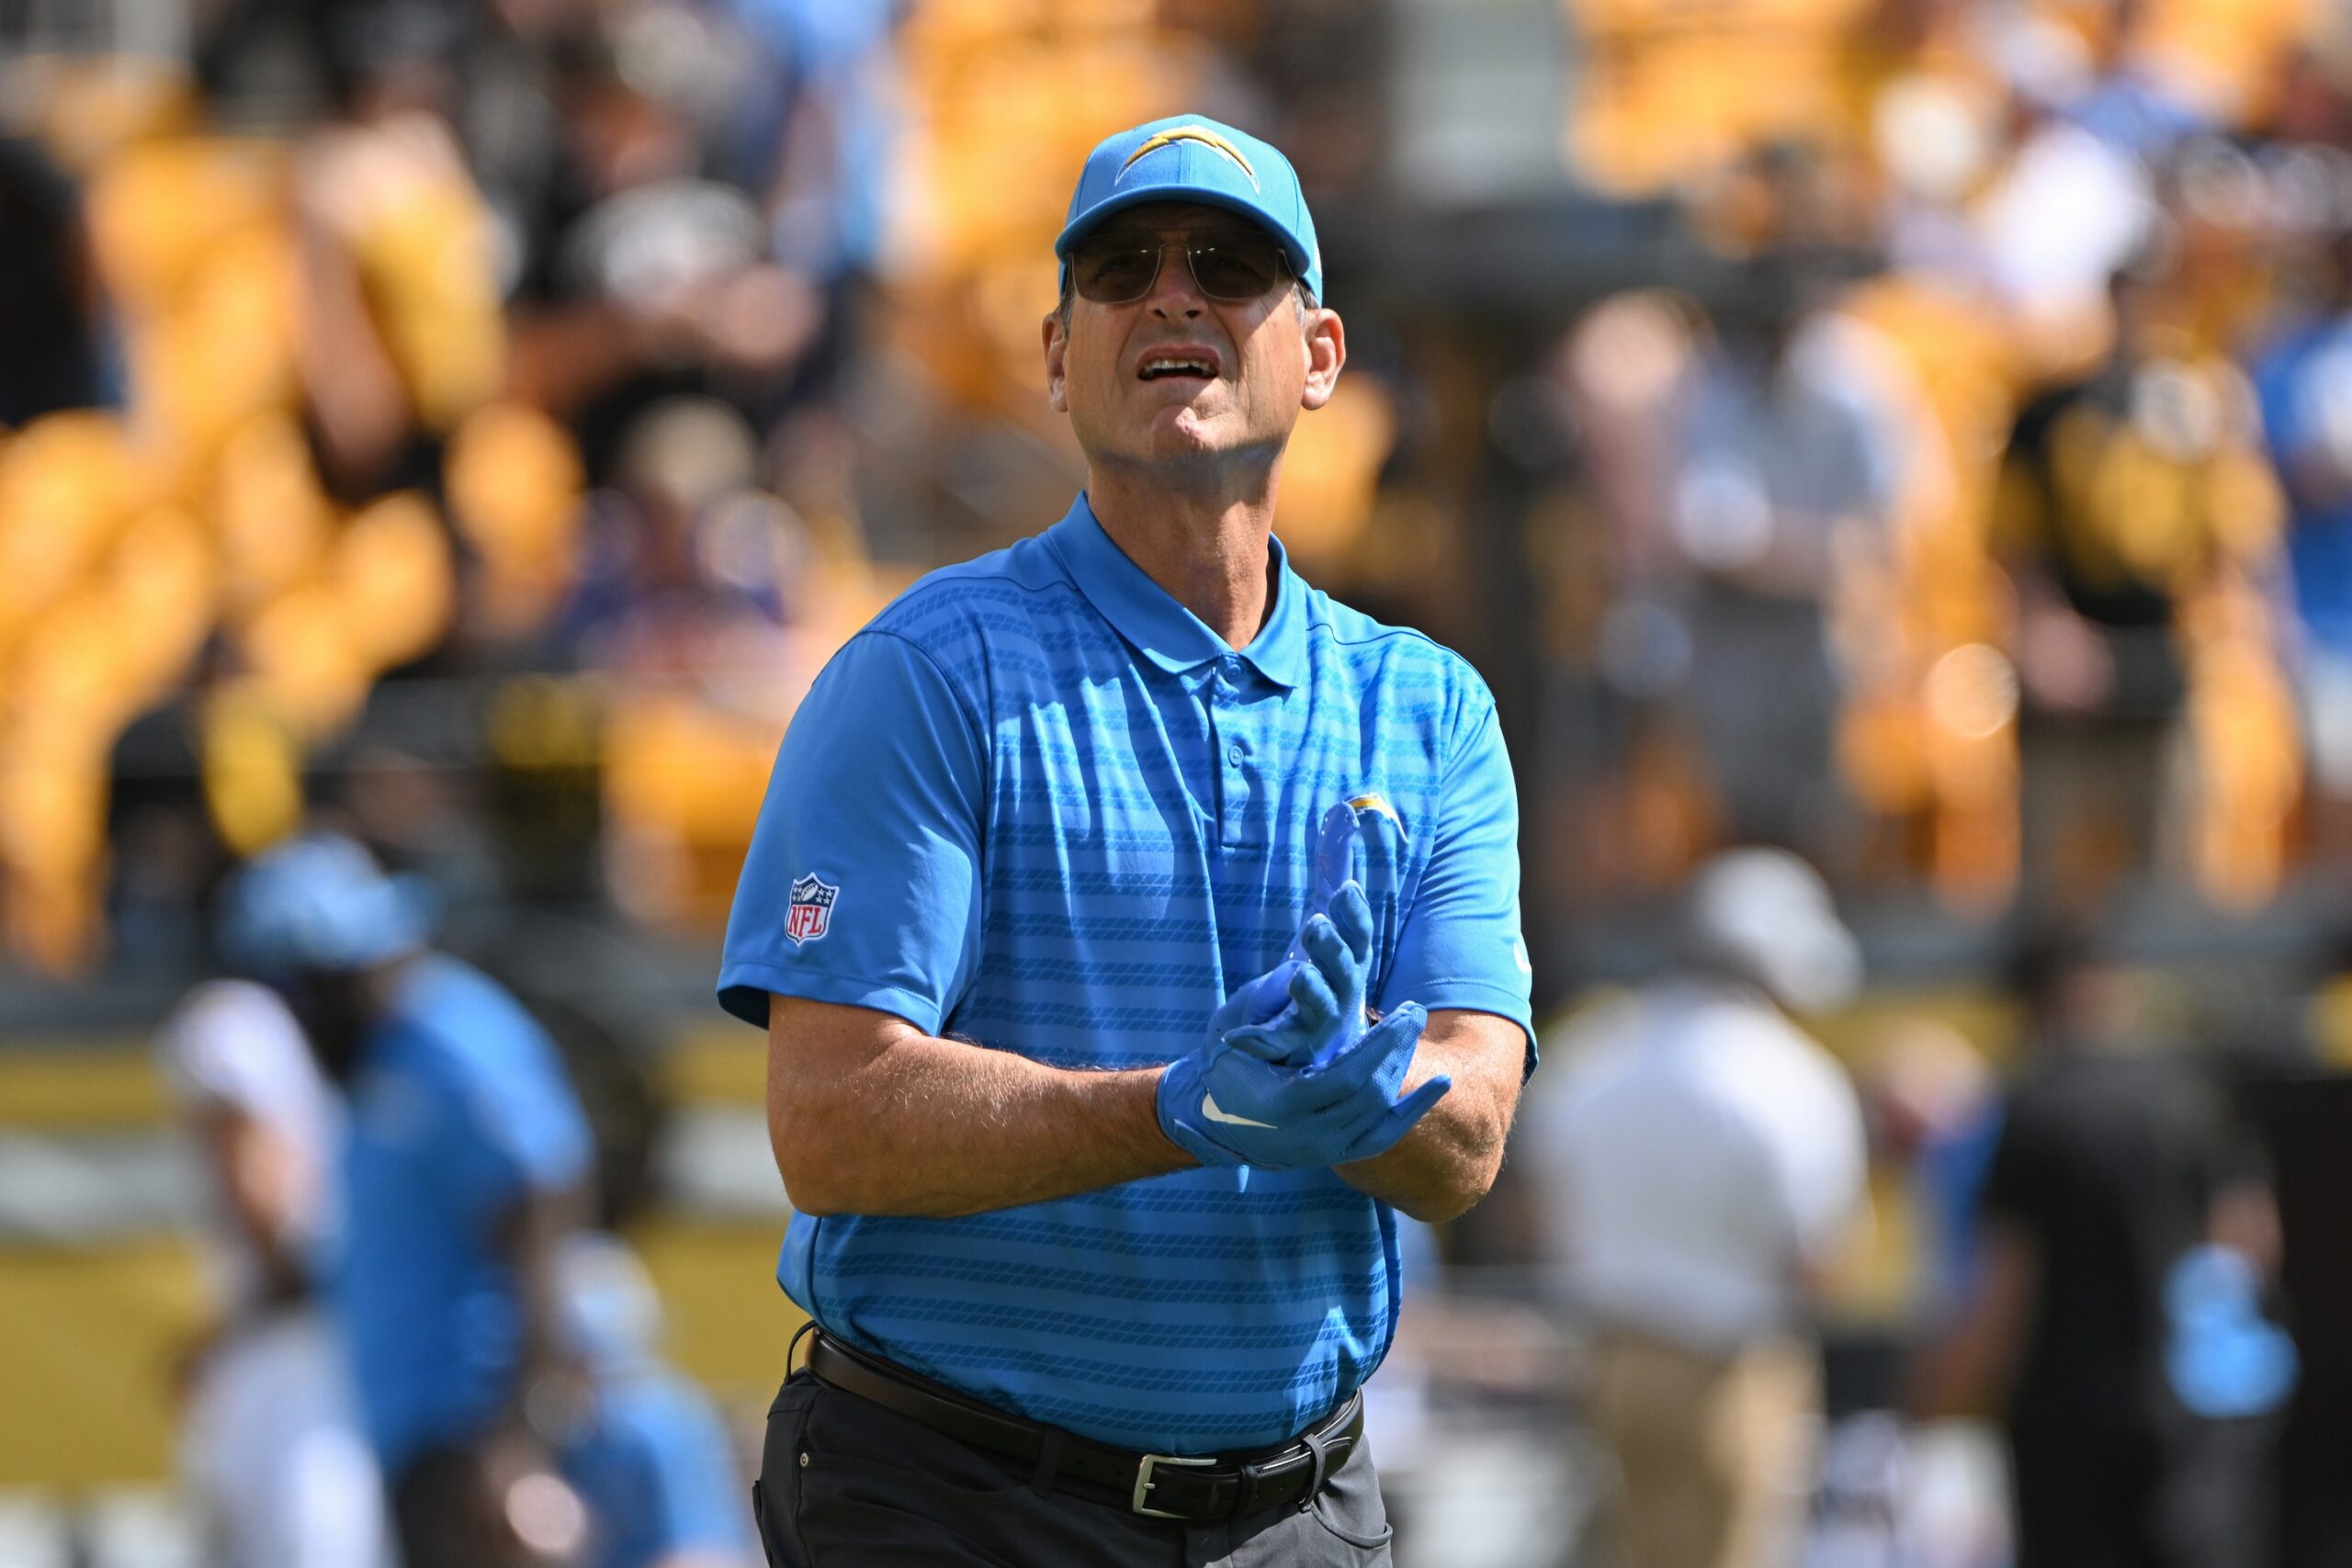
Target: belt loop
pixel 1049 1461
pixel 792 1350
pixel 1317 1446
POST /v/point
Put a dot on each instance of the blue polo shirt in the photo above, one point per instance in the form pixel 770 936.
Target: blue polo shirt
pixel 460 1109
pixel 1039 806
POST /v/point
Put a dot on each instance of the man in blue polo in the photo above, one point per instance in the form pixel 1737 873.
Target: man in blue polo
pixel 1135 930
pixel 462 1172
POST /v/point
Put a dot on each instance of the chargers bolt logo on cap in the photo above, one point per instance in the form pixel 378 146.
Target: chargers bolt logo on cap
pixel 1199 134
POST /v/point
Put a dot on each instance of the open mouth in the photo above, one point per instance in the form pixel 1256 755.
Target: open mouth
pixel 1161 367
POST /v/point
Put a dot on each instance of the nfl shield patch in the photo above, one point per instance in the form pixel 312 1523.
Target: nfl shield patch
pixel 810 913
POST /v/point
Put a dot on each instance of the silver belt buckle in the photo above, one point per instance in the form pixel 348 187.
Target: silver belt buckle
pixel 1143 1483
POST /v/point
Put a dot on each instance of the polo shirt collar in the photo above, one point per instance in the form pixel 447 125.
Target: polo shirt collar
pixel 1165 632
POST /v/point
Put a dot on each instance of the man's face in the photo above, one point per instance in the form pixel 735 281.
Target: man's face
pixel 336 1014
pixel 1253 365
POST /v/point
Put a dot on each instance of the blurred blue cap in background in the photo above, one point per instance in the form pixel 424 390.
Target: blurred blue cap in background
pixel 321 904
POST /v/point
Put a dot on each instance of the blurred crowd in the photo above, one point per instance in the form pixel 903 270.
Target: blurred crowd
pixel 1922 442
pixel 1957 495
pixel 1983 524
pixel 377 344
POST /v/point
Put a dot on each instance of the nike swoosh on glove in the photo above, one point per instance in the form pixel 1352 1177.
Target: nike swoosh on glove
pixel 1228 1106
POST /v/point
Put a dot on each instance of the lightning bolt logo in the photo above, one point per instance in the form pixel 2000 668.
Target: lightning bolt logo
pixel 1199 134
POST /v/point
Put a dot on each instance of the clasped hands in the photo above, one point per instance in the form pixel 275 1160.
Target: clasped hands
pixel 1293 1075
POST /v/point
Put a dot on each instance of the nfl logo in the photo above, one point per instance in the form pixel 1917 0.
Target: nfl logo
pixel 812 910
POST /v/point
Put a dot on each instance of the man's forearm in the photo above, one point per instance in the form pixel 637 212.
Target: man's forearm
pixel 939 1128
pixel 1448 1161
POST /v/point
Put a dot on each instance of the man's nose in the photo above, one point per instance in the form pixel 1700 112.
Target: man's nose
pixel 1173 291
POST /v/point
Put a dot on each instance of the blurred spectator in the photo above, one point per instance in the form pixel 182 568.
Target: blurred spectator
pixel 1787 469
pixel 1700 1162
pixel 818 137
pixel 2304 377
pixel 2114 1320
pixel 462 1179
pixel 688 570
pixel 1936 1110
pixel 642 277
pixel 1763 462
pixel 645 1450
pixel 272 1447
pixel 401 336
pixel 2138 518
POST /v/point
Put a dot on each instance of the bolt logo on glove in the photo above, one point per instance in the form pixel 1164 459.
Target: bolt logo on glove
pixel 1294 1074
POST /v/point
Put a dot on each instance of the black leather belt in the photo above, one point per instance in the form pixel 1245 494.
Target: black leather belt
pixel 1198 1489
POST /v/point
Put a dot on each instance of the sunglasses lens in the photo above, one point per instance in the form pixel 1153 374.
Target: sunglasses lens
pixel 1238 268
pixel 1112 274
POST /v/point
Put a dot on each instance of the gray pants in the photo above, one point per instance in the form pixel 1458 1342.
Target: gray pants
pixel 846 1484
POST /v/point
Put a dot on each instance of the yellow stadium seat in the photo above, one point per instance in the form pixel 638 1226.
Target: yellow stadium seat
pixel 252 766
pixel 393 583
pixel 305 664
pixel 162 590
pixel 158 210
pixel 86 109
pixel 683 784
pixel 68 483
pixel 225 349
pixel 514 483
pixel 274 518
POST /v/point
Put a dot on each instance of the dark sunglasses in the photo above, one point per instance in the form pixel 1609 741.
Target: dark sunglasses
pixel 1232 268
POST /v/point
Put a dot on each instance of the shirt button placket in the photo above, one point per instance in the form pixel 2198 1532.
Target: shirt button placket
pixel 1235 806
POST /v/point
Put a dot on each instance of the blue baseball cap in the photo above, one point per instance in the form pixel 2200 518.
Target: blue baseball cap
pixel 321 904
pixel 1194 158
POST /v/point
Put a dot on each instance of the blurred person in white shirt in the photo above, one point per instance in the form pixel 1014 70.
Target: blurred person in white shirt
pixel 1699 1160
pixel 271 1447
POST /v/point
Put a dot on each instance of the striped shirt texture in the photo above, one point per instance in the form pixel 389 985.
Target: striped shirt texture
pixel 1037 804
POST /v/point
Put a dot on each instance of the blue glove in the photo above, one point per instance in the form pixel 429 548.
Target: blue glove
pixel 1358 836
pixel 1323 1013
pixel 1293 1075
pixel 1362 841
pixel 1226 1106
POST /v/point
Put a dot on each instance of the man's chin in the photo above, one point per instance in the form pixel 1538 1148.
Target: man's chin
pixel 1178 441
pixel 1186 431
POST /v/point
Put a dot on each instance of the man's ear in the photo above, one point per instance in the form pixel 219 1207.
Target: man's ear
pixel 1057 342
pixel 1325 347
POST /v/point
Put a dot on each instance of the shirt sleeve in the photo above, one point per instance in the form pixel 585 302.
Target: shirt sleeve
pixel 1460 945
pixel 1823 1161
pixel 234 1045
pixel 863 882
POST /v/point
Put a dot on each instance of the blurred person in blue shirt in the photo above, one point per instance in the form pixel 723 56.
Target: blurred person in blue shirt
pixel 647 1452
pixel 2304 378
pixel 270 1445
pixel 462 1172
